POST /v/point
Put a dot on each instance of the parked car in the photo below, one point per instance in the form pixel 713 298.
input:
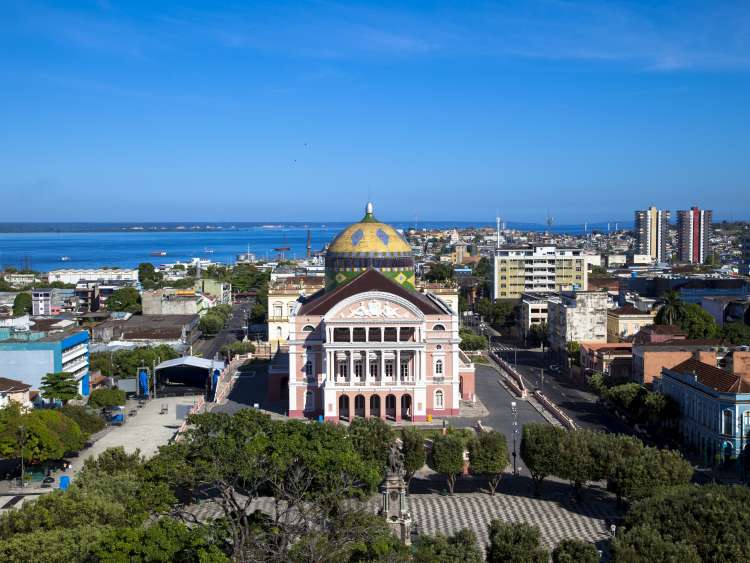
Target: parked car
pixel 554 368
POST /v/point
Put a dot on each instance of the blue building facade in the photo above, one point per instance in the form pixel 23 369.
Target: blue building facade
pixel 30 355
pixel 714 406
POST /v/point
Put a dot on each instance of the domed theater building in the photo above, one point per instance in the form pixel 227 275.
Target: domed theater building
pixel 371 343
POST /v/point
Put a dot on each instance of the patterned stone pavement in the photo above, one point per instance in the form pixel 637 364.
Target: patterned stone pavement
pixel 556 516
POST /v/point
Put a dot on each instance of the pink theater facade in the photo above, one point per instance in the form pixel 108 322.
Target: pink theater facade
pixel 374 348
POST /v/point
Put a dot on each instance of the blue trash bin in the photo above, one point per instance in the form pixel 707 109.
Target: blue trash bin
pixel 64 482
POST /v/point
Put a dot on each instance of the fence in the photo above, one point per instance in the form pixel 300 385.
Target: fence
pixel 556 411
pixel 513 378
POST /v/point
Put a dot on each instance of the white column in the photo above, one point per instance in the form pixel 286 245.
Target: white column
pixel 382 366
pixel 397 371
pixel 351 368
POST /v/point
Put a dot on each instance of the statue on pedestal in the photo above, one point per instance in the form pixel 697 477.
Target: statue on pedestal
pixel 394 506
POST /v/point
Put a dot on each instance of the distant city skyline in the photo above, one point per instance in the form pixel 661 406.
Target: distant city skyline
pixel 302 111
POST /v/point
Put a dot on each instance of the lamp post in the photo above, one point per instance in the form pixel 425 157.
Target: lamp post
pixel 514 410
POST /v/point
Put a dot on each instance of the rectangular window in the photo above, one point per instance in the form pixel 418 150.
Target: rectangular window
pixel 391 334
pixel 359 335
pixel 404 370
pixel 308 368
pixel 343 368
pixel 374 334
pixel 373 369
pixel 389 369
pixel 341 335
pixel 406 334
pixel 358 369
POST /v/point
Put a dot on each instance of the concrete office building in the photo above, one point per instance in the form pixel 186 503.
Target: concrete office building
pixel 533 311
pixel 102 275
pixel 576 317
pixel 538 269
pixel 693 235
pixel 29 355
pixel 651 230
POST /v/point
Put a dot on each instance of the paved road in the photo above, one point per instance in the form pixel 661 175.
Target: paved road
pixel 209 348
pixel 574 398
pixel 498 402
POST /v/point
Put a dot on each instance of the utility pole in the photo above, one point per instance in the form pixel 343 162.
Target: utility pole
pixel 153 374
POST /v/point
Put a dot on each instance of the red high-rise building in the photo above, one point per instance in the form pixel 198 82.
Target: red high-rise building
pixel 693 235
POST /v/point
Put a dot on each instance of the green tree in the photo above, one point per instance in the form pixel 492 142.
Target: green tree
pixel 125 299
pixel 671 310
pixel 538 332
pixel 458 548
pixel 211 323
pixel 698 323
pixel 66 429
pixel 540 450
pixel 710 520
pixel 237 348
pixel 488 456
pixel 372 438
pixel 448 457
pixel 89 422
pixel 415 454
pixel 636 477
pixel 515 541
pixel 149 277
pixel 644 545
pixel 470 341
pixel 574 352
pixel 576 463
pixel 575 551
pixel 439 272
pixel 59 386
pixel 736 333
pixel 22 304
pixel 101 398
pixel 125 363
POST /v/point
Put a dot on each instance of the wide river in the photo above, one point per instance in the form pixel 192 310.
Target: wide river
pixel 43 251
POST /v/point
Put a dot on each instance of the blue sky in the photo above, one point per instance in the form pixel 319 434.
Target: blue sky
pixel 215 111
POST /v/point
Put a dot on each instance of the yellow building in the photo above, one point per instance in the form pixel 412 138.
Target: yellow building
pixel 626 321
pixel 538 269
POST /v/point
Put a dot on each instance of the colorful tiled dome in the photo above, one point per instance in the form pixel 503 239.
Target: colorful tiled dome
pixel 369 244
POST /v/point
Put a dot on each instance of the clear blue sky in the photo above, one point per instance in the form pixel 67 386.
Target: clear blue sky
pixel 145 110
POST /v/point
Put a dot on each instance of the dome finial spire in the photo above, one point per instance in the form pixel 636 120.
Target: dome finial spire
pixel 368 208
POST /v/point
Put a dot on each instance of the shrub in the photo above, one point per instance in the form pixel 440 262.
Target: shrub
pixel 101 398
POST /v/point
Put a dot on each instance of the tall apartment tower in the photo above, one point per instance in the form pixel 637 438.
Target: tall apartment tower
pixel 651 230
pixel 693 234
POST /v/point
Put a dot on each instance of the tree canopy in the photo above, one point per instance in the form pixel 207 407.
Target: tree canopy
pixel 447 457
pixel 125 299
pixel 488 456
pixel 22 304
pixel 59 386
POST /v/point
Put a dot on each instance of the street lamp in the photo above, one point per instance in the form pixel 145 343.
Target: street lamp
pixel 514 410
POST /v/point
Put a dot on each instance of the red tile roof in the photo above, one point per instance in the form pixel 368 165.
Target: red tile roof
pixel 370 280
pixel 716 378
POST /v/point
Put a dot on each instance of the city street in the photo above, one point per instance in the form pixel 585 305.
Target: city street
pixel 498 401
pixel 574 398
pixel 234 330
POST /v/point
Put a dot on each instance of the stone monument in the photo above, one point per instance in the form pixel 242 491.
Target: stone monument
pixel 394 508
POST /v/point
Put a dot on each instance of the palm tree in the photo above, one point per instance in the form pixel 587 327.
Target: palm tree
pixel 671 310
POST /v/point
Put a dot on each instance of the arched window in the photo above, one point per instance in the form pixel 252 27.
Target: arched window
pixel 308 328
pixel 438 347
pixel 438 327
pixel 438 367
pixel 278 309
pixel 439 400
pixel 727 423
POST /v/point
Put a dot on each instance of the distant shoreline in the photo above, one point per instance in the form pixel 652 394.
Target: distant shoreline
pixel 201 226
